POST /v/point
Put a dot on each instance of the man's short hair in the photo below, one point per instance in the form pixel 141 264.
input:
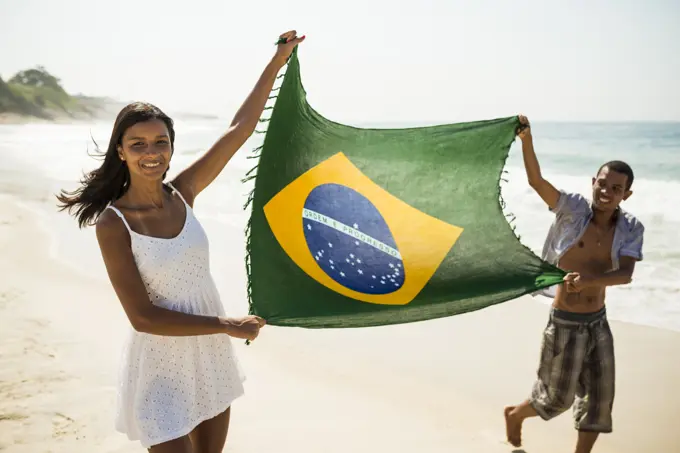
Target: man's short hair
pixel 620 167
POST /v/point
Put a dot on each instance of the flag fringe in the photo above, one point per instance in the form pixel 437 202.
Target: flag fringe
pixel 250 177
pixel 503 177
pixel 256 153
pixel 503 180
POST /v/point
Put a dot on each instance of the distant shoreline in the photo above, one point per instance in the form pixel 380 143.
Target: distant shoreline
pixel 104 112
pixel 10 118
pixel 36 96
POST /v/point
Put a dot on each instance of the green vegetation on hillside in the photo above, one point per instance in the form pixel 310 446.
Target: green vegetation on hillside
pixel 38 94
pixel 35 92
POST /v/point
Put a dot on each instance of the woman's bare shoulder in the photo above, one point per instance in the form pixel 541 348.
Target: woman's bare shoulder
pixel 110 228
pixel 184 189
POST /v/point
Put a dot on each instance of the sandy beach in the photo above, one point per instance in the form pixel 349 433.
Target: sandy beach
pixel 437 386
pixel 598 82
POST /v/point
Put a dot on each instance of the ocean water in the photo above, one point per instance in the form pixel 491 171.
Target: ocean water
pixel 37 160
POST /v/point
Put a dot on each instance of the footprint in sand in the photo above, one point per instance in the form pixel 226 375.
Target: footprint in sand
pixel 6 222
pixel 9 295
pixel 33 346
pixel 12 417
pixel 63 425
pixel 38 322
pixel 32 386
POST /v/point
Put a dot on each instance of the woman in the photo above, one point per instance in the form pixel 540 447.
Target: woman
pixel 179 374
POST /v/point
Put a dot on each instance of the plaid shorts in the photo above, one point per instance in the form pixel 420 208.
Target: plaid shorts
pixel 577 367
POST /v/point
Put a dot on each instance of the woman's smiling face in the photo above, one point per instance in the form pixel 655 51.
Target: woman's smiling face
pixel 146 149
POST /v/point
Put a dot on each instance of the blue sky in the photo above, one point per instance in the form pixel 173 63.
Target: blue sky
pixel 371 61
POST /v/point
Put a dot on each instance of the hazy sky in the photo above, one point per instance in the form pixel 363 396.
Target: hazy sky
pixel 365 60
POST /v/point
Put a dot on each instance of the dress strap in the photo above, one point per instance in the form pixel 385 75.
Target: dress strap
pixel 122 217
pixel 178 193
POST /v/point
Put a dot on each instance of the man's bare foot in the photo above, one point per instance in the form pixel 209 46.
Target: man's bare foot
pixel 513 427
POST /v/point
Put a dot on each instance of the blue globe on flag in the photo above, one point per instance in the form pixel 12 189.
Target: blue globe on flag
pixel 351 241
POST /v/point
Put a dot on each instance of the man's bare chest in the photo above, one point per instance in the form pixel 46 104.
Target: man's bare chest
pixel 591 252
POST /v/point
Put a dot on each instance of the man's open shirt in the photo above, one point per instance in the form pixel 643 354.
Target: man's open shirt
pixel 572 216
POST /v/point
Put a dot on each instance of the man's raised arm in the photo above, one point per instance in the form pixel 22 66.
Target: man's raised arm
pixel 547 191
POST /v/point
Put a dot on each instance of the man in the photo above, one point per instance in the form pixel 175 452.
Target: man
pixel 598 244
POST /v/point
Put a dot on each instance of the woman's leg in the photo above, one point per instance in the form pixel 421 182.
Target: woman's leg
pixel 211 435
pixel 180 445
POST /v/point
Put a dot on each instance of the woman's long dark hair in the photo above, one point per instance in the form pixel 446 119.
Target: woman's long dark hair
pixel 111 180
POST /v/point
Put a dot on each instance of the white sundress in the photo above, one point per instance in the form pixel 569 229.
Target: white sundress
pixel 168 385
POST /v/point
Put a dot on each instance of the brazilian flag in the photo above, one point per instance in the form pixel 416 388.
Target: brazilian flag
pixel 361 227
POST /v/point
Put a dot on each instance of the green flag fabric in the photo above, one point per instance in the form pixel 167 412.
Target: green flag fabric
pixel 361 227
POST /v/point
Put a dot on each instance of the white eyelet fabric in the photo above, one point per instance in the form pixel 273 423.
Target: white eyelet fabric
pixel 168 385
